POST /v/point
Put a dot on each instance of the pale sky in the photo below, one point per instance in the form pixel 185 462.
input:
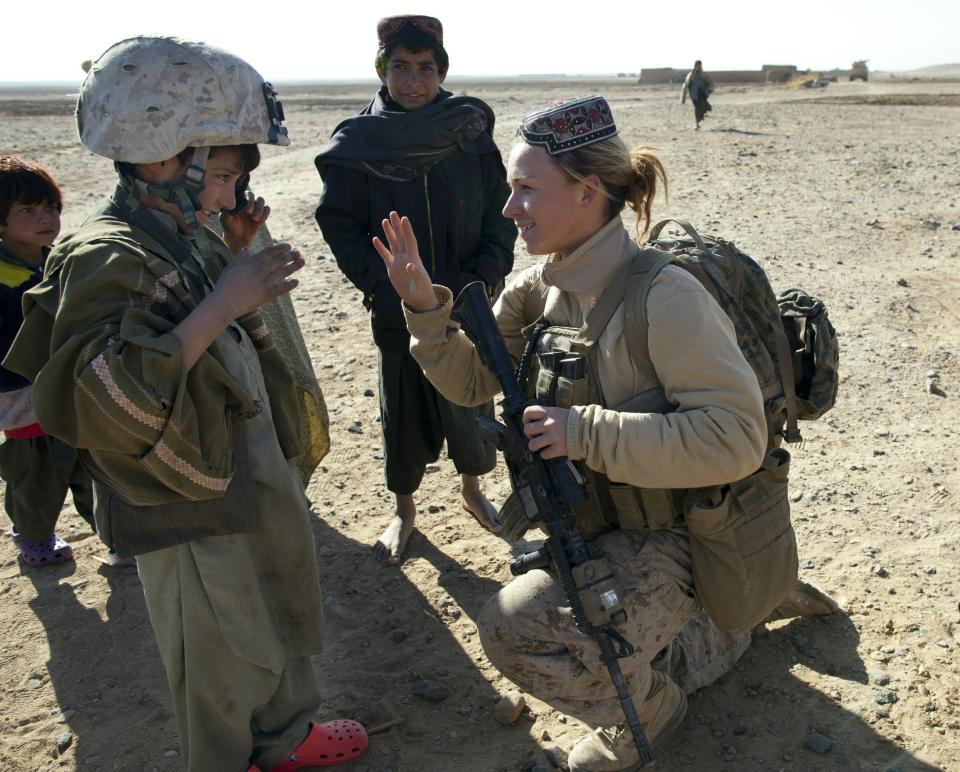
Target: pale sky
pixel 336 39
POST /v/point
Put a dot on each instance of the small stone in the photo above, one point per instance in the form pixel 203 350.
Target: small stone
pixel 398 636
pixel 433 509
pixel 65 716
pixel 171 754
pixel 880 571
pixel 930 570
pixel 34 683
pixel 817 743
pixel 806 564
pixel 64 741
pixel 355 428
pixel 729 753
pixel 508 708
pixel 882 711
pixel 796 496
pixel 879 677
pixel 934 388
pixel 873 222
pixel 545 736
pixel 886 697
pixel 431 691
pixel 368 392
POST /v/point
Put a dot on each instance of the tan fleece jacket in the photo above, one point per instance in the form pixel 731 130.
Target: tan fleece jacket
pixel 717 431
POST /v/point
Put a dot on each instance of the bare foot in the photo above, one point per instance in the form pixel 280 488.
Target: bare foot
pixel 479 505
pixel 392 542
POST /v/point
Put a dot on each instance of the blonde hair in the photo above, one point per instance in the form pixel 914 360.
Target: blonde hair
pixel 627 177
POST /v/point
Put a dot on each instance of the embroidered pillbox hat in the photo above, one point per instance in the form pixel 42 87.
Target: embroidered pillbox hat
pixel 569 124
pixel 390 26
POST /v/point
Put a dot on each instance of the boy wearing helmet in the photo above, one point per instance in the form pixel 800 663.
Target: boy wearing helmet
pixel 148 354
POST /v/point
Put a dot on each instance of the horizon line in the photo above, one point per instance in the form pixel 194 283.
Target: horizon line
pixel 312 81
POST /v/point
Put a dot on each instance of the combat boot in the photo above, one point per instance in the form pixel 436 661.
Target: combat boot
pixel 612 749
pixel 806 600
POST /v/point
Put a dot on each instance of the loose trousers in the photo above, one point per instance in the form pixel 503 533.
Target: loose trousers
pixel 231 711
pixel 38 472
pixel 416 418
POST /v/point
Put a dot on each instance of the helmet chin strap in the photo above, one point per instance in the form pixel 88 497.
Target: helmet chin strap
pixel 183 192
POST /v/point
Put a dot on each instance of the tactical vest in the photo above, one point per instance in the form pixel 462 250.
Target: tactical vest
pixel 568 374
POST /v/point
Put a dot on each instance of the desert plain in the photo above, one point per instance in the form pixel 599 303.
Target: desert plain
pixel 851 192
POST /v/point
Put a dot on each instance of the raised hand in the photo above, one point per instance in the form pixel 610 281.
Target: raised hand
pixel 252 280
pixel 404 267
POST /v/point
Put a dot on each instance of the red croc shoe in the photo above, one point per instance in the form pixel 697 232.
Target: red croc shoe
pixel 327 745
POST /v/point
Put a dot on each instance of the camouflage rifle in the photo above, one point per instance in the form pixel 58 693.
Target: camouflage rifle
pixel 550 491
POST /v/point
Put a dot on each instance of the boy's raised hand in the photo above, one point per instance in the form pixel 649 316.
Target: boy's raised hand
pixel 404 267
pixel 252 280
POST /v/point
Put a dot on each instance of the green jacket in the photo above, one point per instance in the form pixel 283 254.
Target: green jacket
pixel 108 377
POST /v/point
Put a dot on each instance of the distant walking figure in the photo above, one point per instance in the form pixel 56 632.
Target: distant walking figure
pixel 699 86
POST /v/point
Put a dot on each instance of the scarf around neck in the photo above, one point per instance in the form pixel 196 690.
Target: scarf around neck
pixel 398 145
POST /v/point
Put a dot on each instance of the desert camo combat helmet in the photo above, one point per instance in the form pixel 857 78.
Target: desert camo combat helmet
pixel 148 98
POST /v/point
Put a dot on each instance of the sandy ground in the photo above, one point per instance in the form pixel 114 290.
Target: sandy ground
pixel 850 192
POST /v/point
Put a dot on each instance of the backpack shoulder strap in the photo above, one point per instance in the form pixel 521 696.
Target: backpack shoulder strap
pixel 635 323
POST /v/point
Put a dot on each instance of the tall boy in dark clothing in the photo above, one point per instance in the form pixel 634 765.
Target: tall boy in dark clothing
pixel 38 469
pixel 418 149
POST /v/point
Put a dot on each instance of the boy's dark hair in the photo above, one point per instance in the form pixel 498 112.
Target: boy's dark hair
pixel 415 41
pixel 249 155
pixel 24 182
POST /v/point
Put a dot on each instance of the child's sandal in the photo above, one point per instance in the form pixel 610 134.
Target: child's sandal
pixel 36 553
pixel 334 742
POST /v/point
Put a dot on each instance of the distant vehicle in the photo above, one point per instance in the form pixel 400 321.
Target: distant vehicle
pixel 859 70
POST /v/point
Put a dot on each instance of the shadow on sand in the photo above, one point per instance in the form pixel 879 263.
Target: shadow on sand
pixel 778 713
pixel 384 635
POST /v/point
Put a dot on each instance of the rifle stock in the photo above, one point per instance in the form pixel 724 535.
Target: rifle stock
pixel 550 491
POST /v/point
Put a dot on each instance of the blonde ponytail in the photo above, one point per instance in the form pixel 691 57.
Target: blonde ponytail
pixel 645 170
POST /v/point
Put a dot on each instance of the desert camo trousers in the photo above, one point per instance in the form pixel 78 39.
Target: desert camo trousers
pixel 529 634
